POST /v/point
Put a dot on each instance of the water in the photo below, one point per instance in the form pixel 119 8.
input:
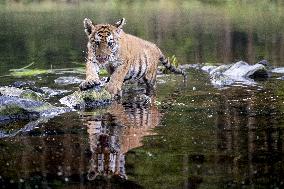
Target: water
pixel 190 137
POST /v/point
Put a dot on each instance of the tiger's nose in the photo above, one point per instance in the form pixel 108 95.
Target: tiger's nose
pixel 105 50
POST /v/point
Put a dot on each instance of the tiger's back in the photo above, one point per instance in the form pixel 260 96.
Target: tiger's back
pixel 142 57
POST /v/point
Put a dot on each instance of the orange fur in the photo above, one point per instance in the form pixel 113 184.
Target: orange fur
pixel 125 57
pixel 117 126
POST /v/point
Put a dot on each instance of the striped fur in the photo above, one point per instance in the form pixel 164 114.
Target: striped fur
pixel 170 67
pixel 125 57
pixel 114 133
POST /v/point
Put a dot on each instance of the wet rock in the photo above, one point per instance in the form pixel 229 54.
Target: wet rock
pixel 281 78
pixel 21 93
pixel 188 66
pixel 26 85
pixel 53 92
pixel 23 84
pixel 18 104
pixel 67 80
pixel 278 70
pixel 240 72
pixel 28 88
pixel 15 108
pixel 92 98
pixel 12 111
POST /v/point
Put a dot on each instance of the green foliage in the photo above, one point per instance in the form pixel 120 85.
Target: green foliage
pixel 103 72
pixel 173 61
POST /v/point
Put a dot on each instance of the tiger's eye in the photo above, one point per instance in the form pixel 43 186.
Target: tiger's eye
pixel 97 43
pixel 110 44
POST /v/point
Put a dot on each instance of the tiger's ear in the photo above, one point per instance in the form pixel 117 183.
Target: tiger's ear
pixel 120 23
pixel 88 25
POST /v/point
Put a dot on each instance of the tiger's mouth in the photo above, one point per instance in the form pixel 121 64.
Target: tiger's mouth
pixel 102 59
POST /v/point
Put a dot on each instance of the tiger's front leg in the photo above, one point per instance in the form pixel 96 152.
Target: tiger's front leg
pixel 92 77
pixel 116 80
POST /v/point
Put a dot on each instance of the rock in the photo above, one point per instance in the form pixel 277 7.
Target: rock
pixel 28 89
pixel 188 66
pixel 12 108
pixel 244 70
pixel 53 92
pixel 278 70
pixel 26 85
pixel 92 98
pixel 15 108
pixel 21 93
pixel 281 78
pixel 67 80
pixel 12 111
pixel 19 104
pixel 240 72
pixel 23 84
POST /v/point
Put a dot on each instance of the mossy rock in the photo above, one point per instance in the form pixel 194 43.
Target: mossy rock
pixel 25 94
pixel 13 111
pixel 16 108
pixel 91 98
pixel 29 94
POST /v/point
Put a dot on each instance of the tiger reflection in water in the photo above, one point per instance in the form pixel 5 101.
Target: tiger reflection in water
pixel 115 132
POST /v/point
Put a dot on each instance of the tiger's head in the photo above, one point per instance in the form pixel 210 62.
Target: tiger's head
pixel 103 40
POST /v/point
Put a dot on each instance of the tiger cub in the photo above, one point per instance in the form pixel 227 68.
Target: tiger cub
pixel 124 56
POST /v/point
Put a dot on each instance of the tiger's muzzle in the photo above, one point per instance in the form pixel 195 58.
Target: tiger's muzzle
pixel 102 58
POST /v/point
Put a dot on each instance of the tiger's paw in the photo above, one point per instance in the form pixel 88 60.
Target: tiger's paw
pixel 88 84
pixel 113 89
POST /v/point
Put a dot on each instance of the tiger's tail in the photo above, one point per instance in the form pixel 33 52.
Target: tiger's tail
pixel 165 61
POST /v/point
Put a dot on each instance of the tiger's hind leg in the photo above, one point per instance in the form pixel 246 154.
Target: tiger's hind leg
pixel 150 81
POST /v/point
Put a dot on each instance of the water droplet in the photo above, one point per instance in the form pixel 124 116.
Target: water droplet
pixel 66 179
pixel 59 173
pixel 193 88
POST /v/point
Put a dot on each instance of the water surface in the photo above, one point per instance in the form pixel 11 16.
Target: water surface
pixel 189 137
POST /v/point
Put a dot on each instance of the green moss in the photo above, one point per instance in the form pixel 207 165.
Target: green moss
pixel 95 95
pixel 44 107
pixel 28 72
pixel 31 95
pixel 80 97
pixel 103 72
pixel 11 110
